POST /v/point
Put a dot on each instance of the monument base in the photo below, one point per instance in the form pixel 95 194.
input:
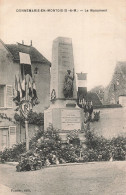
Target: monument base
pixel 64 119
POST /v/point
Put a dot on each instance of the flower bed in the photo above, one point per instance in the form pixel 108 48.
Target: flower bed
pixel 46 148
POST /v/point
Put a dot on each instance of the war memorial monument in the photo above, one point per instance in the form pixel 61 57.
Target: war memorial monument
pixel 63 113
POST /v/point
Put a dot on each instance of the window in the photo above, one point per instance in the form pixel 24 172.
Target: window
pixel 26 69
pixel 2 96
pixel 9 96
pixel 12 136
pixel 6 96
pixel 8 137
pixel 4 139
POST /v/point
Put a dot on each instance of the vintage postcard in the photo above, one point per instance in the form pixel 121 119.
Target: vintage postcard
pixel 62 97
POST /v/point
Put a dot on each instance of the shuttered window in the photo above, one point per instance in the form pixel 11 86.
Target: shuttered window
pixel 4 138
pixel 9 96
pixel 12 135
pixel 2 96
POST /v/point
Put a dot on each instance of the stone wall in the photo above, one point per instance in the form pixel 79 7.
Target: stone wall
pixel 112 122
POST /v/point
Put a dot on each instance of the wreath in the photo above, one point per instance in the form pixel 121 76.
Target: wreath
pixel 53 95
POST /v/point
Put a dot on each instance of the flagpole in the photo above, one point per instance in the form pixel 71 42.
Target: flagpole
pixel 27 136
pixel 20 125
pixel 24 104
pixel 26 118
pixel 19 81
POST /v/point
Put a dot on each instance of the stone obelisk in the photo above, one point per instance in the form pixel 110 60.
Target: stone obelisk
pixel 63 113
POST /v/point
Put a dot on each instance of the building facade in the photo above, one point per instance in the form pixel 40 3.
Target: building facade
pixel 9 67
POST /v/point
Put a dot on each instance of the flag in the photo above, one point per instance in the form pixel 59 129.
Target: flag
pixel 34 99
pixel 34 91
pixel 82 79
pixel 20 88
pixel 17 97
pixel 115 87
pixel 29 88
pixel 82 85
pixel 23 87
pixel 16 83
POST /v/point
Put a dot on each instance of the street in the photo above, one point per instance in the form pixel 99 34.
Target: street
pixel 96 178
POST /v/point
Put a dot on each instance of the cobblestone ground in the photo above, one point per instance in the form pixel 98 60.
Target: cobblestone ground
pixel 98 178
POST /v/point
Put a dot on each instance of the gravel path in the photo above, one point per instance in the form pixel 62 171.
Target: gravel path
pixel 98 178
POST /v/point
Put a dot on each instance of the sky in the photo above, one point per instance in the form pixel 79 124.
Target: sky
pixel 99 38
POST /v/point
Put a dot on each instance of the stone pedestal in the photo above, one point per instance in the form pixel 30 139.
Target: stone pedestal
pixel 64 119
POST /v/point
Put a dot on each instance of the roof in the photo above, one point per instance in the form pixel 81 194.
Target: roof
pixel 35 55
pixel 94 98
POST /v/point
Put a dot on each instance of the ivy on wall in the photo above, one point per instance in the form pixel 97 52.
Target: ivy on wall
pixel 33 118
pixel 4 116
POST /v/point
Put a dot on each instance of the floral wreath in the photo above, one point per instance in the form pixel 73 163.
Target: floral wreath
pixel 53 95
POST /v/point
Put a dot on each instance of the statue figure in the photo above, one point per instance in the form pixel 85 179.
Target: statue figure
pixel 68 85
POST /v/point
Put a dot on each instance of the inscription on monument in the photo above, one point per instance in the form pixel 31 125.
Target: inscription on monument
pixel 70 120
pixel 70 113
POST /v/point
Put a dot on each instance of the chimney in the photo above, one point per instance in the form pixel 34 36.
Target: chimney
pixel 22 42
pixel 31 42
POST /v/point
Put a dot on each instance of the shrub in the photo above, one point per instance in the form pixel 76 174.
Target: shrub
pixel 104 148
pixel 13 154
pixel 118 148
pixel 49 147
